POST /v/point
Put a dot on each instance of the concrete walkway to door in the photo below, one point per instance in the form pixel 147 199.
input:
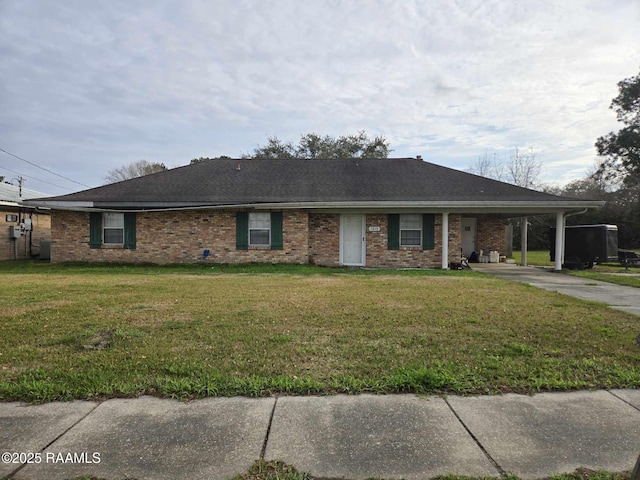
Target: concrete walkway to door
pixel 619 297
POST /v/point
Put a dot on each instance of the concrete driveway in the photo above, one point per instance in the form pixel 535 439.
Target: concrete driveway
pixel 619 297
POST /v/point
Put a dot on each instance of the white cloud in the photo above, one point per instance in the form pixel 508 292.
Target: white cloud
pixel 93 86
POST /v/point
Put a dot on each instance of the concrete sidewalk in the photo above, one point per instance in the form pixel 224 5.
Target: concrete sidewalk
pixel 353 437
pixel 619 297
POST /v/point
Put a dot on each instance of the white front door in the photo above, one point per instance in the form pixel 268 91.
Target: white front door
pixel 352 239
pixel 469 226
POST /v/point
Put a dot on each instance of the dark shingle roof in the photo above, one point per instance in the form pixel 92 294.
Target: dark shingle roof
pixel 254 181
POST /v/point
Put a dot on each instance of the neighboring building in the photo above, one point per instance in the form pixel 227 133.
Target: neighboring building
pixel 22 227
pixel 359 212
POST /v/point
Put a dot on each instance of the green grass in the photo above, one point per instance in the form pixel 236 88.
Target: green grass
pixel 92 332
pixel 579 474
pixel 604 274
pixel 277 470
pixel 607 272
pixel 536 258
pixel 612 273
pixel 203 268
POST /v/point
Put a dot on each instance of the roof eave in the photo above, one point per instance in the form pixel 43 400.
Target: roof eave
pixel 510 207
pixel 59 205
pixel 10 204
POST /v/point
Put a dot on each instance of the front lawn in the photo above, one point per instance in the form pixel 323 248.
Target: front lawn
pixel 96 332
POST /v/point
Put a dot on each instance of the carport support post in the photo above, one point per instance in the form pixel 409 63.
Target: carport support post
pixel 524 229
pixel 445 241
pixel 559 241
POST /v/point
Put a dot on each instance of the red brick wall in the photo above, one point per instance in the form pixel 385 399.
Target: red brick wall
pixel 181 237
pixel 324 243
pixel 178 237
pixel 378 255
pixel 490 234
pixel 324 239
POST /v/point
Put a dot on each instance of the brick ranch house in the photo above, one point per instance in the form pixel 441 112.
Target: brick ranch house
pixel 390 213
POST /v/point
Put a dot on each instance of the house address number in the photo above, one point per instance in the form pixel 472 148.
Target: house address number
pixel 374 229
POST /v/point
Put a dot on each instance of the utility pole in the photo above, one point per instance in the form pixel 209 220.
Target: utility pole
pixel 20 180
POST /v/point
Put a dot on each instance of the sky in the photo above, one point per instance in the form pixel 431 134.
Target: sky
pixel 86 87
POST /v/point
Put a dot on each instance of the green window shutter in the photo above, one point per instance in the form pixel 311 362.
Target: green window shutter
pixel 393 231
pixel 95 230
pixel 428 231
pixel 130 231
pixel 242 231
pixel 276 230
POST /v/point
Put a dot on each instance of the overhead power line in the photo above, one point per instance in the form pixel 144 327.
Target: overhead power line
pixel 42 168
pixel 34 178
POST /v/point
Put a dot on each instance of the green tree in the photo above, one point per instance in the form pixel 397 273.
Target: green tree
pixel 620 168
pixel 621 208
pixel 622 149
pixel 133 170
pixel 312 145
pixel 590 188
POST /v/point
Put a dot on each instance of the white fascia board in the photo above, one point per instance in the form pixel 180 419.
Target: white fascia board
pixel 524 207
pixel 451 207
pixel 17 205
pixel 58 205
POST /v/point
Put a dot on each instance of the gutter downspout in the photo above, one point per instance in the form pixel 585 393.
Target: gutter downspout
pixel 31 244
pixel 581 212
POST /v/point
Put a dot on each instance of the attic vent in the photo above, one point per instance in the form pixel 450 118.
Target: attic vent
pixel 419 157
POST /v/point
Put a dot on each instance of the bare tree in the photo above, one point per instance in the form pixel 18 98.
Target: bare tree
pixel 133 170
pixel 522 169
pixel 488 165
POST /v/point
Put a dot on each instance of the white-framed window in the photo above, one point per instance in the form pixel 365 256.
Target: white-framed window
pixel 113 228
pixel 411 230
pixel 259 229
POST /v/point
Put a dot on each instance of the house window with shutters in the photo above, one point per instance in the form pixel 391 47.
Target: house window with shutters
pixel 111 229
pixel 411 231
pixel 258 230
